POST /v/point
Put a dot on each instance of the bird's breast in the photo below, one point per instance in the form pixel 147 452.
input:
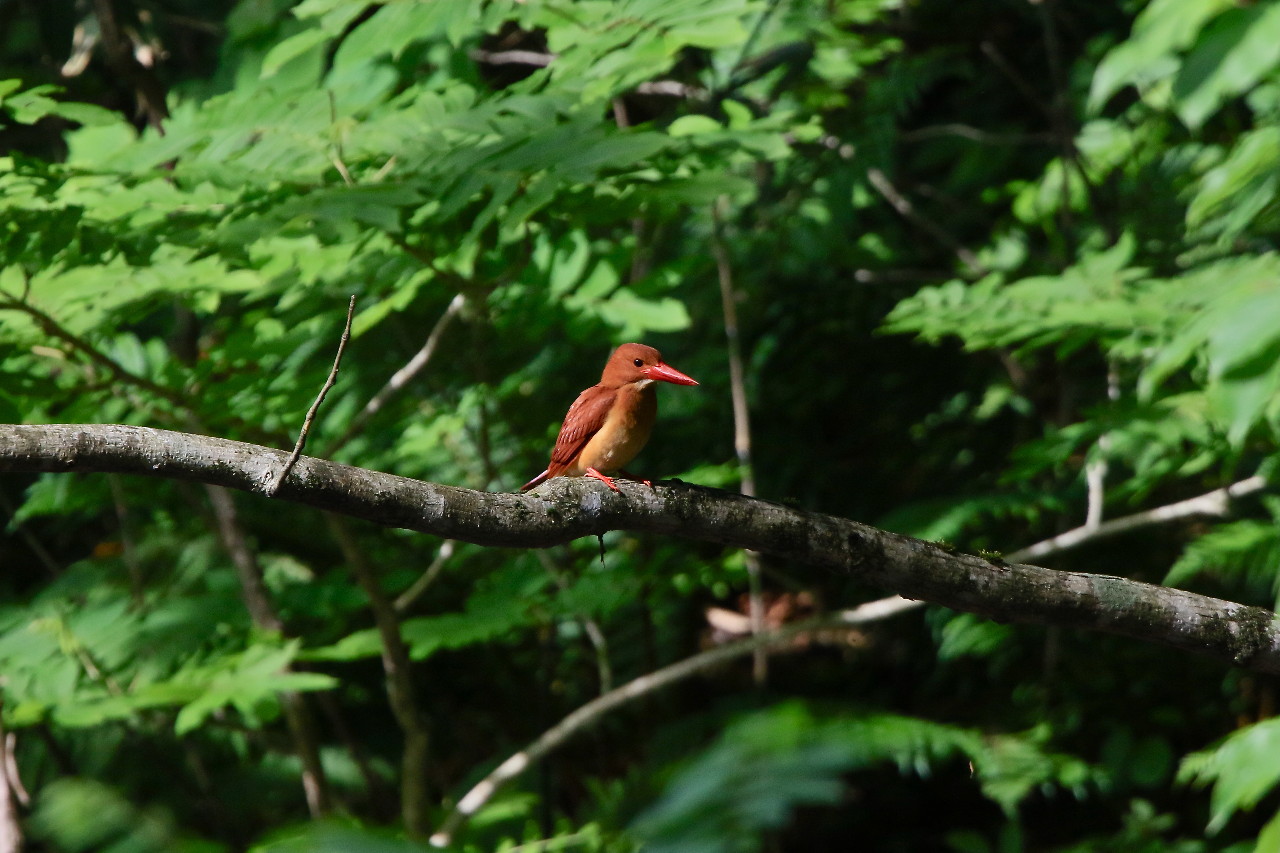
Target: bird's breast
pixel 624 433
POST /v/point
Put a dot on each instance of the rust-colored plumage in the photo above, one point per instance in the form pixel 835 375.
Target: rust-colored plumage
pixel 610 422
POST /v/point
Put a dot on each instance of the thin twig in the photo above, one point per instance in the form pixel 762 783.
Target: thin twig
pixel 33 542
pixel 398 668
pixel 415 591
pixel 1063 131
pixel 672 89
pixel 591 712
pixel 315 784
pixel 274 486
pixel 975 134
pixel 908 211
pixel 129 551
pixel 52 328
pixel 1095 473
pixel 741 424
pixel 10 829
pixel 1211 503
pixel 535 58
pixel 599 643
pixel 403 376
pixel 12 774
pixel 1019 82
pixel 189 418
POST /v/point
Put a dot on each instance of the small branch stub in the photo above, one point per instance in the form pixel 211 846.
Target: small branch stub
pixel 274 485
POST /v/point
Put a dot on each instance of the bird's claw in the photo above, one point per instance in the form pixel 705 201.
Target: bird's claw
pixel 608 481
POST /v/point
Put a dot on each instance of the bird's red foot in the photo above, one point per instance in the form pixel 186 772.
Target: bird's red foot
pixel 631 476
pixel 592 472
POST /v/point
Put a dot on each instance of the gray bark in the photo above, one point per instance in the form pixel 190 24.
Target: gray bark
pixel 564 509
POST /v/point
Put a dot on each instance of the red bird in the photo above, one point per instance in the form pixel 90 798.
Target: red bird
pixel 609 423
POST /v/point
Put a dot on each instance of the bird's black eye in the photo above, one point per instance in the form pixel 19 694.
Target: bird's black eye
pixel 639 362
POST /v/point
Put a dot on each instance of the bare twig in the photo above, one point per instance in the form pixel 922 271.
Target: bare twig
pixel 129 551
pixel 1095 478
pixel 1019 82
pixel 908 211
pixel 599 643
pixel 415 591
pixel 14 778
pixel 52 328
pixel 11 791
pixel 414 792
pixel 741 423
pixel 33 542
pixel 539 59
pixel 975 134
pixel 297 716
pixel 403 376
pixel 1212 503
pixel 672 89
pixel 274 486
pixel 375 786
pixel 184 413
pixel 590 713
pixel 1095 473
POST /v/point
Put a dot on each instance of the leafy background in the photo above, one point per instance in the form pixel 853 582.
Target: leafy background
pixel 999 268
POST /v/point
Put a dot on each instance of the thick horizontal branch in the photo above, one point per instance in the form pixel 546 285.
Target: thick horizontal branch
pixel 566 509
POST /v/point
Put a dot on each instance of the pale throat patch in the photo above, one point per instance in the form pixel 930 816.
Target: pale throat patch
pixel 643 383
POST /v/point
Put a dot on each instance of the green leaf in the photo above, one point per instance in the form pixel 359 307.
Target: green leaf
pixel 1162 29
pixel 1247 548
pixel 968 635
pixel 1238 48
pixel 1242 769
pixel 768 763
pixel 636 316
pixel 1246 181
pixel 693 125
pixel 291 48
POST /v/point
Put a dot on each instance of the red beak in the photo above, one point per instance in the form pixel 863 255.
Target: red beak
pixel 664 372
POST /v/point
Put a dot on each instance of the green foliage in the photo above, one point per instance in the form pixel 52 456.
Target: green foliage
pixel 1072 313
pixel 82 815
pixel 772 762
pixel 1242 769
pixel 104 662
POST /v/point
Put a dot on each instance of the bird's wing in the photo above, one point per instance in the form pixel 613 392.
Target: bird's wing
pixel 585 418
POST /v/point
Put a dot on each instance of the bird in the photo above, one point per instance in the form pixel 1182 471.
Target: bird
pixel 610 422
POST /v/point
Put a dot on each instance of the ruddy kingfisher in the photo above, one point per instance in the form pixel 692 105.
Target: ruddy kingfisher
pixel 610 422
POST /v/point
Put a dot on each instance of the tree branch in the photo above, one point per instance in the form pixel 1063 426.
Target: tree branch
pixel 11 840
pixel 908 211
pixel 1210 503
pixel 315 406
pixel 741 420
pixel 569 508
pixel 403 376
pixel 591 712
pixel 398 667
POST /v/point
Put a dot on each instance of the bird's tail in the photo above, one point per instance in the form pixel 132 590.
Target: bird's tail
pixel 536 481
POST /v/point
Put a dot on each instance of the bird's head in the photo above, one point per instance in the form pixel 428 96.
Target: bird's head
pixel 637 362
